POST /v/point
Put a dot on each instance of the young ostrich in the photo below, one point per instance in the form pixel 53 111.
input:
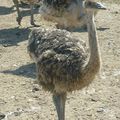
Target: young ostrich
pixel 31 2
pixel 68 14
pixel 61 59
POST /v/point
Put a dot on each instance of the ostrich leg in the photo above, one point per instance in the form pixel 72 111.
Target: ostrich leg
pixel 32 16
pixel 59 101
pixel 19 18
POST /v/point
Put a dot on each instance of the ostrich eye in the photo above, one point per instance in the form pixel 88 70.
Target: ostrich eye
pixel 89 3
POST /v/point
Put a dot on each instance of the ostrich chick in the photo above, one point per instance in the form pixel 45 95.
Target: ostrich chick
pixel 61 59
pixel 67 14
pixel 31 2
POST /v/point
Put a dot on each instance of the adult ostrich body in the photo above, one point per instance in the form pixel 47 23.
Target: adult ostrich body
pixel 67 14
pixel 61 60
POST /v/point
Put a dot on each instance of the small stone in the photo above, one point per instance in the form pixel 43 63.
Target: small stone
pixel 5 45
pixel 35 96
pixel 2 116
pixel 17 113
pixel 93 100
pixel 75 109
pixel 116 12
pixel 100 110
pixel 89 114
pixel 15 65
pixel 117 117
pixel 35 89
pixel 12 97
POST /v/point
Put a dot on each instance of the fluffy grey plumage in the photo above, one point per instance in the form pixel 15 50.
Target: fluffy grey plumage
pixel 59 58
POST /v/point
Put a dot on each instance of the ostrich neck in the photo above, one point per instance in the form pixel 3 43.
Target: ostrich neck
pixel 93 40
pixel 94 61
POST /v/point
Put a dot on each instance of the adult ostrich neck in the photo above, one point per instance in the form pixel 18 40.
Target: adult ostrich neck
pixel 93 64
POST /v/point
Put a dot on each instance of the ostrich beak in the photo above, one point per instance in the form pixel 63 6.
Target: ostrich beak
pixel 100 6
pixel 94 5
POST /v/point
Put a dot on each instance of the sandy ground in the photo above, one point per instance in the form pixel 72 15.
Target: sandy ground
pixel 21 99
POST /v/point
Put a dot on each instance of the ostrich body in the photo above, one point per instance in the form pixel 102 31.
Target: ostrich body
pixel 61 60
pixel 31 3
pixel 68 14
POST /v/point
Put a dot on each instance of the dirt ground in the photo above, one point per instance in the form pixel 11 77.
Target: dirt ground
pixel 21 99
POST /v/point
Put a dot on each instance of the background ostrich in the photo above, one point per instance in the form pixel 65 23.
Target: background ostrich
pixel 31 2
pixel 68 14
pixel 61 60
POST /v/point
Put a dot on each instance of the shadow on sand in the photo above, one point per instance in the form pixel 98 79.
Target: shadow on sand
pixel 28 71
pixel 103 28
pixel 24 8
pixel 6 10
pixel 85 29
pixel 12 36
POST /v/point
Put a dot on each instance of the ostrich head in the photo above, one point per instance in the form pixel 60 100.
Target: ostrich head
pixel 94 6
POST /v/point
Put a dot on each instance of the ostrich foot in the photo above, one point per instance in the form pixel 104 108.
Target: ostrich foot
pixel 18 19
pixel 32 23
